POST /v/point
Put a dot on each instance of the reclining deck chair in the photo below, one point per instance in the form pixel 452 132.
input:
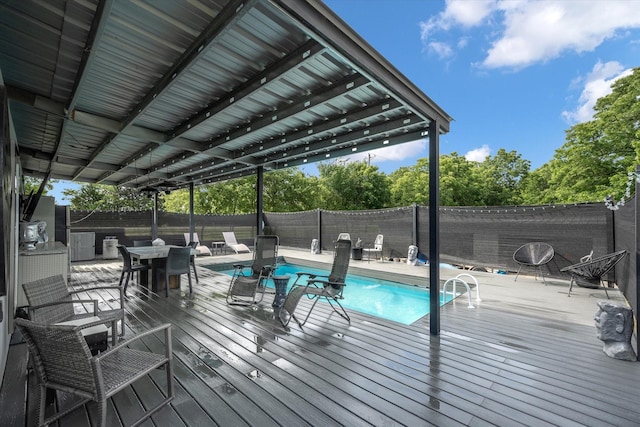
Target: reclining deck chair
pixel 231 242
pixel 250 280
pixel 589 273
pixel 344 236
pixel 329 287
pixel 534 254
pixel 62 361
pixel 51 301
pixel 202 249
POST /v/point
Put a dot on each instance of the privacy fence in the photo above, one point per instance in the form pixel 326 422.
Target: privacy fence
pixel 473 237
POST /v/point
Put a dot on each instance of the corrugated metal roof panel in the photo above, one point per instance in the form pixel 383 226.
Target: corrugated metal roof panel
pixel 185 90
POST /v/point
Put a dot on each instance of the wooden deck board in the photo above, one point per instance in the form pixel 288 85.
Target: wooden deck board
pixel 507 365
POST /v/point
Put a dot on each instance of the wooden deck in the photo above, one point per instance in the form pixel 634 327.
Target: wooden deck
pixel 526 355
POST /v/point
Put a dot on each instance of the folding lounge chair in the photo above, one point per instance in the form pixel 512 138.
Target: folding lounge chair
pixel 202 249
pixel 231 242
pixel 329 287
pixel 61 359
pixel 249 280
pixel 589 273
pixel 534 255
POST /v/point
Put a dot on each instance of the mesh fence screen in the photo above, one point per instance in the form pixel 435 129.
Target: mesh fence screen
pixel 488 237
pixel 473 237
pixel 395 225
pixel 485 237
pixel 626 238
pixel 130 226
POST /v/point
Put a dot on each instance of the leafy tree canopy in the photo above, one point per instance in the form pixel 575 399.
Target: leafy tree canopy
pixel 32 185
pixel 354 186
pixel 108 198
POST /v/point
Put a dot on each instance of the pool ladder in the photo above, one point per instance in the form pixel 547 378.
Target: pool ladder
pixel 456 279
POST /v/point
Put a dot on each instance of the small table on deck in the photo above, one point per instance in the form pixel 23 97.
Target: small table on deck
pixel 95 336
pixel 218 246
pixel 280 283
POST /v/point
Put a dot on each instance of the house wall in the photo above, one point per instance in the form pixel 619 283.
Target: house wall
pixel 8 226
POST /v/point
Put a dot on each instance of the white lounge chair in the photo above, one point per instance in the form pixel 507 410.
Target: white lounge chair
pixel 202 249
pixel 231 242
pixel 376 249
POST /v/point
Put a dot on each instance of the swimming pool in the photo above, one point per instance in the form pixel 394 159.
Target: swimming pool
pixel 381 298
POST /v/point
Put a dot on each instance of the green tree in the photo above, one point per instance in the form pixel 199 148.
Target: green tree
pixel 410 184
pixel 284 190
pixel 290 190
pixel 32 185
pixel 108 198
pixel 354 186
pixel 597 155
pixel 236 196
pixel 536 188
pixel 459 183
pixel 501 178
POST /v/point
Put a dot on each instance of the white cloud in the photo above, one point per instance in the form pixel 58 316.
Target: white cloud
pixel 532 31
pixel 457 12
pixel 443 50
pixel 479 154
pixel 596 85
pixel 536 31
pixel 409 150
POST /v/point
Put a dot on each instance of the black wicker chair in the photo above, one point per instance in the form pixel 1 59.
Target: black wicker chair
pixel 589 274
pixel 533 255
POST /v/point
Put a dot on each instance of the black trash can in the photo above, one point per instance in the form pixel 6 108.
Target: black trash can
pixel 356 253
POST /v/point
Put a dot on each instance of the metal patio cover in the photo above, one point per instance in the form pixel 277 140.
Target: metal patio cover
pixel 159 94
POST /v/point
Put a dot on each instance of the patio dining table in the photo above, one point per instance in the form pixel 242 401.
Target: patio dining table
pixel 157 256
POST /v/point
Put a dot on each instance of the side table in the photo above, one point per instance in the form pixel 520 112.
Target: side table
pixel 218 246
pixel 95 336
pixel 281 283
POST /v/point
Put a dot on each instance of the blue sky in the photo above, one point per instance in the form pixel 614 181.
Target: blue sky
pixel 513 74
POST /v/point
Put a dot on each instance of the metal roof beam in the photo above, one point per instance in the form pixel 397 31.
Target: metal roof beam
pixel 289 62
pixel 316 19
pixel 233 11
pixel 326 94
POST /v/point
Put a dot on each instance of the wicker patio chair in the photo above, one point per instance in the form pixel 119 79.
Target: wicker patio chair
pixel 62 361
pixel 535 255
pixel 328 287
pixel 51 301
pixel 589 274
pixel 249 281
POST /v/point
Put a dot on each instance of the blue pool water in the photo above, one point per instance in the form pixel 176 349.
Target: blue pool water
pixel 381 298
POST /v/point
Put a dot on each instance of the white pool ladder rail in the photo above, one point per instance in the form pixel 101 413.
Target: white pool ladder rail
pixel 458 278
